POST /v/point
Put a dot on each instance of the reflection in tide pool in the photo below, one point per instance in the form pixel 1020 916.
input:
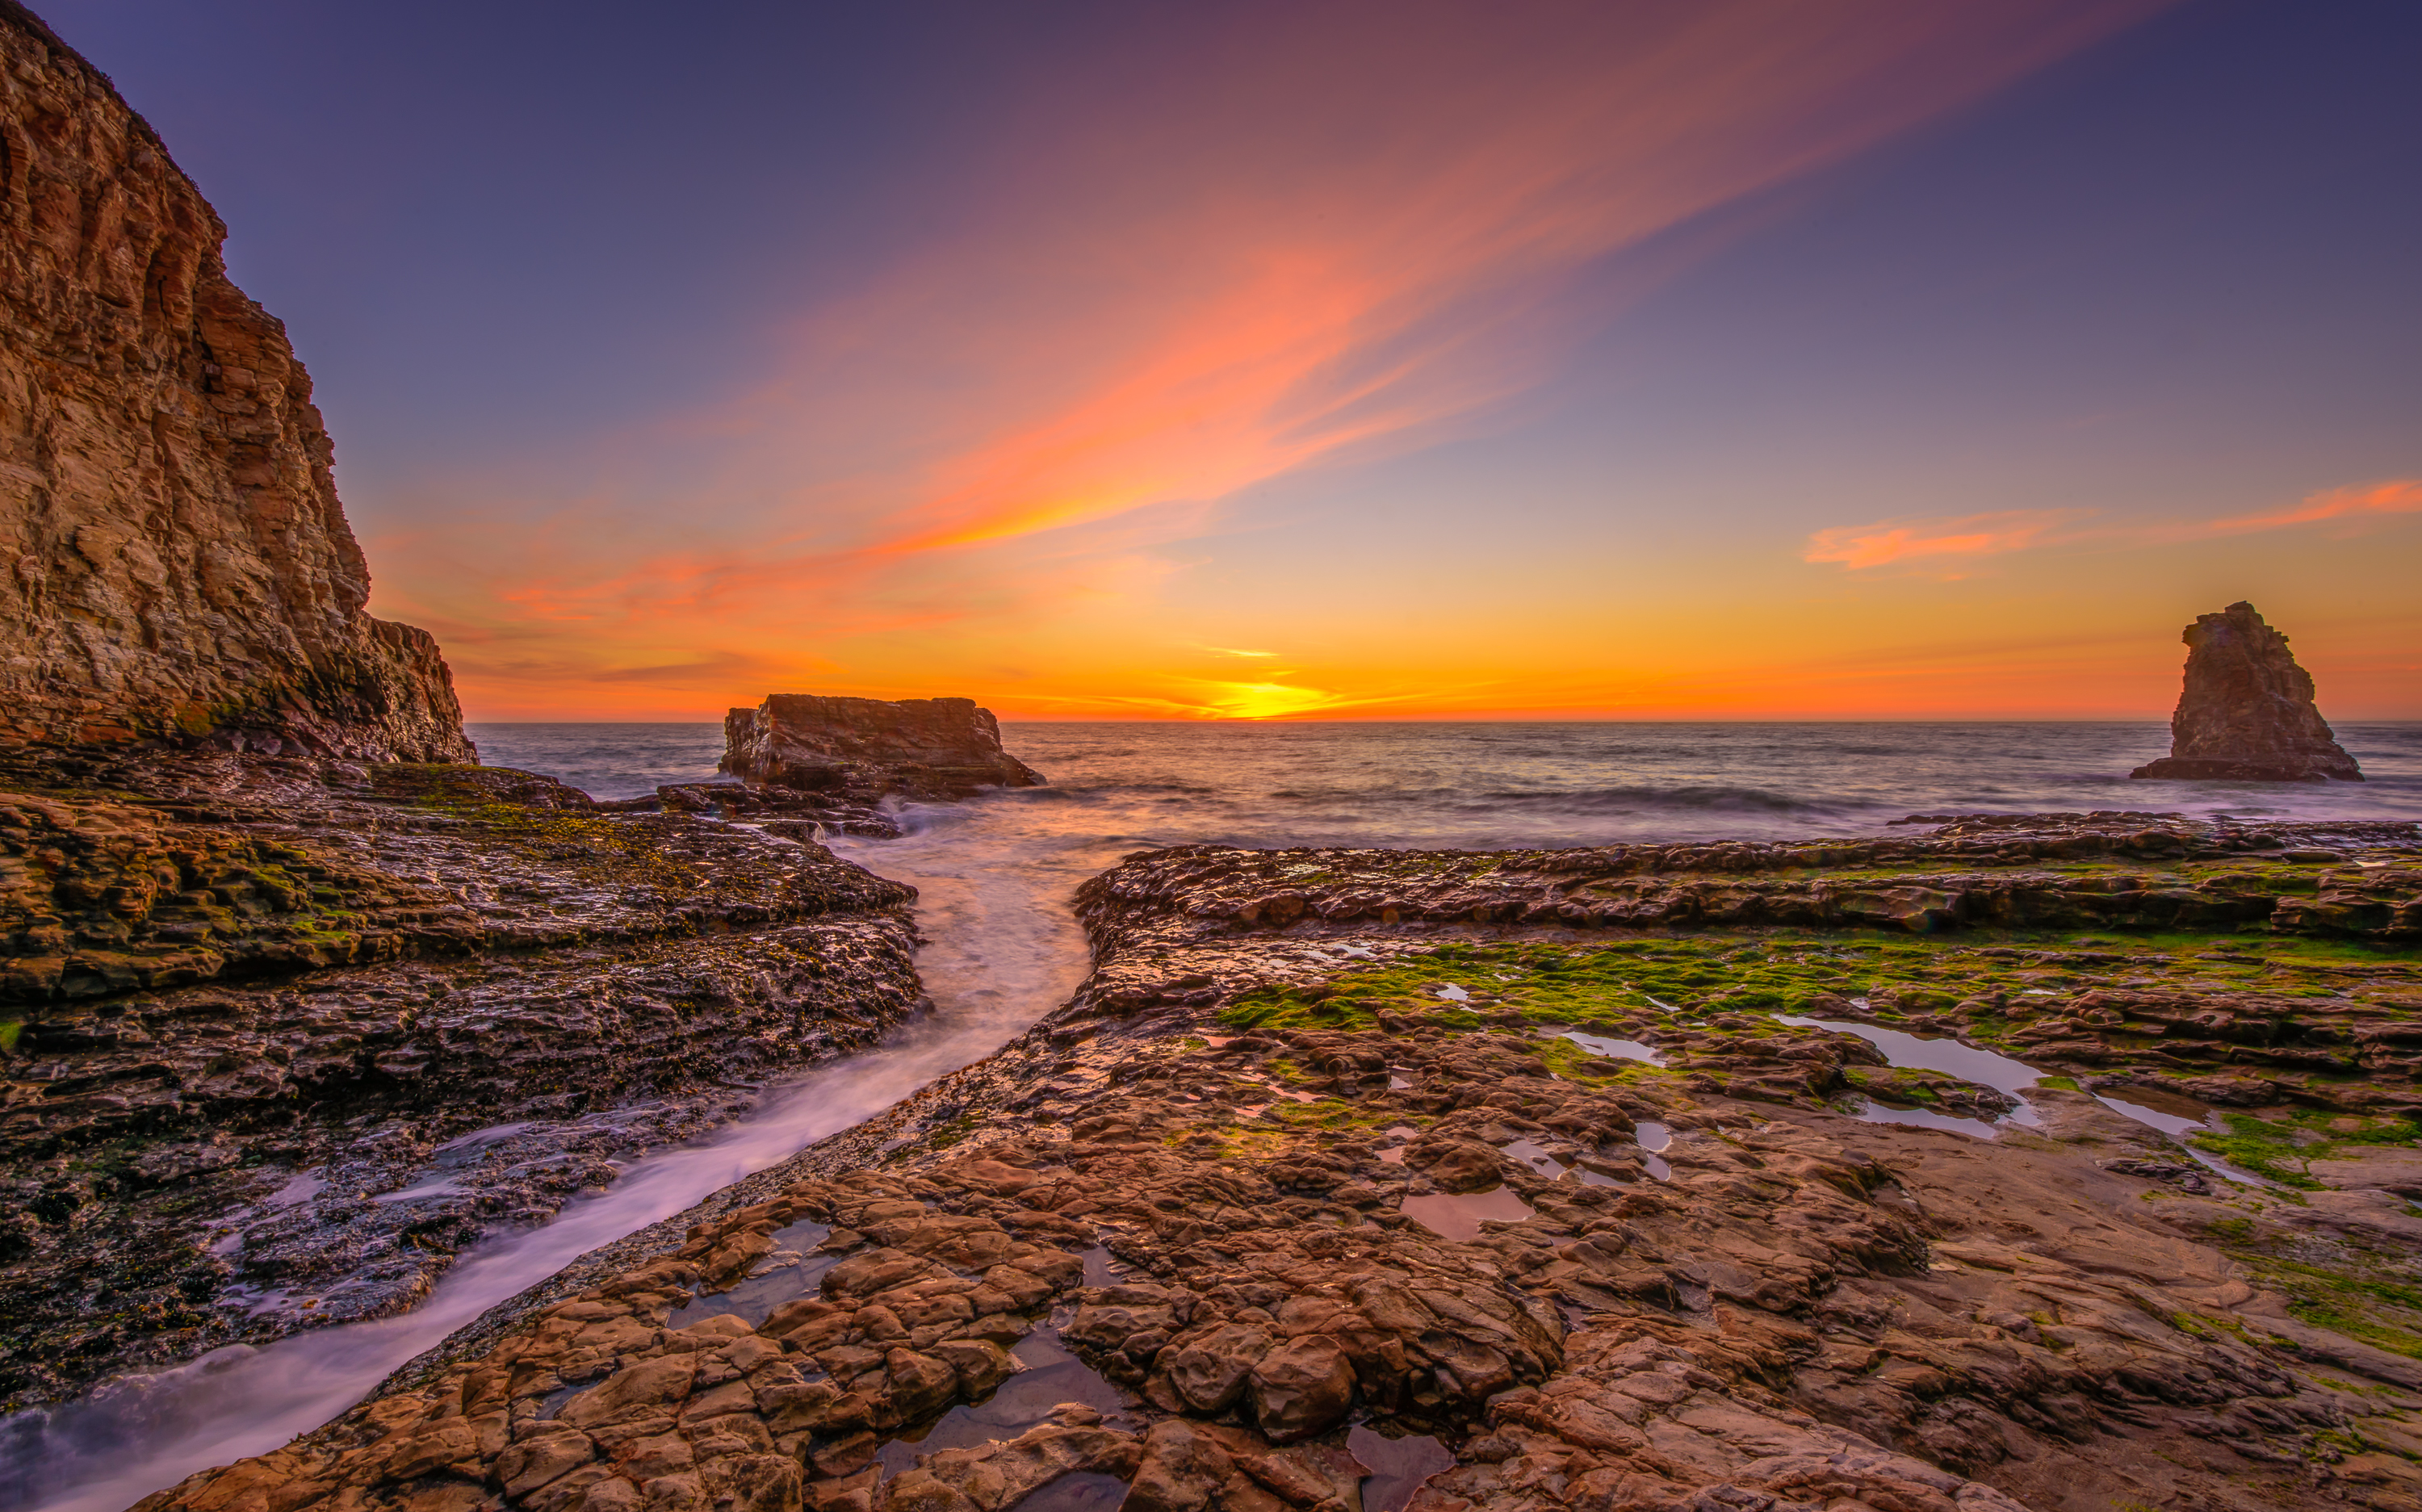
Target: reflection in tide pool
pixel 1457 1216
pixel 1621 1049
pixel 1652 1137
pixel 2003 1074
pixel 2181 1129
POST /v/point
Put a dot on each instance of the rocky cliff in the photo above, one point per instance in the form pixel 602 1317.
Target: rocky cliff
pixel 866 748
pixel 174 564
pixel 2247 711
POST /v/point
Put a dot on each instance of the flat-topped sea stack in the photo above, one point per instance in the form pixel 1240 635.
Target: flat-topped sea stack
pixel 2247 713
pixel 920 747
pixel 177 569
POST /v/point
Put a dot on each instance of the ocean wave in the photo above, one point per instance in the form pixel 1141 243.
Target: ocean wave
pixel 1692 798
pixel 1695 797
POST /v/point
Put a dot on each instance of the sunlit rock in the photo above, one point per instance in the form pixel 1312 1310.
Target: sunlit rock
pixel 2247 713
pixel 925 747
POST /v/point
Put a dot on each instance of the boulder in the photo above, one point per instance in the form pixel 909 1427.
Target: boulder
pixel 2247 714
pixel 922 747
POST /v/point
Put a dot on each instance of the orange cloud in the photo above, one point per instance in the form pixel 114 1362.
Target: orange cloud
pixel 1888 541
pixel 1331 240
pixel 1966 535
pixel 1311 240
pixel 2399 496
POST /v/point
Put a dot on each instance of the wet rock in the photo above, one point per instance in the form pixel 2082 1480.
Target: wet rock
pixel 866 748
pixel 2247 711
pixel 1301 1387
pixel 1455 1165
pixel 1799 1309
pixel 1182 1470
pixel 327 1048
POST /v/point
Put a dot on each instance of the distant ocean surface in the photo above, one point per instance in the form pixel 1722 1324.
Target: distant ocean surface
pixel 1124 786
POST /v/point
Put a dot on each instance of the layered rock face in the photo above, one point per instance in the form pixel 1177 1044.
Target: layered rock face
pixel 922 748
pixel 1324 1194
pixel 2247 713
pixel 174 564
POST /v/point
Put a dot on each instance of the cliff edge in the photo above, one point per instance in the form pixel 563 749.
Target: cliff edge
pixel 174 564
pixel 2246 714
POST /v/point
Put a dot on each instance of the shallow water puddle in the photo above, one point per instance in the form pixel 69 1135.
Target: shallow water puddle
pixel 1047 1376
pixel 1079 1490
pixel 1457 1216
pixel 2003 1074
pixel 1398 1467
pixel 1876 1112
pixel 755 1298
pixel 1949 1056
pixel 1621 1049
pixel 1531 1154
pixel 2178 1127
pixel 1652 1137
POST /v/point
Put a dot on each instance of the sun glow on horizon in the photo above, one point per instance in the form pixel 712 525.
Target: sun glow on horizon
pixel 1187 361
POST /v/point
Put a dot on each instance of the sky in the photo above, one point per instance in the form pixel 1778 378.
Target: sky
pixel 1669 360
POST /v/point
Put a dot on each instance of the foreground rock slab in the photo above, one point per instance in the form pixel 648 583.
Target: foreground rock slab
pixel 2247 711
pixel 1315 1208
pixel 282 1037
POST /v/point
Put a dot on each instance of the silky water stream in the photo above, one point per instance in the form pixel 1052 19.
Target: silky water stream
pixel 1001 950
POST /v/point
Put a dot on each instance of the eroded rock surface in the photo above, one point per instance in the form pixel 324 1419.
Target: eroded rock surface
pixel 281 1037
pixel 1559 1215
pixel 2247 711
pixel 174 564
pixel 869 748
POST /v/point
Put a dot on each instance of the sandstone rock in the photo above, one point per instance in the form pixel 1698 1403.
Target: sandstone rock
pixel 1182 1470
pixel 2247 711
pixel 1301 1387
pixel 930 748
pixel 1455 1165
pixel 174 563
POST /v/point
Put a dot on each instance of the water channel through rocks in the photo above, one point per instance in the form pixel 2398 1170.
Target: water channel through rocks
pixel 1000 949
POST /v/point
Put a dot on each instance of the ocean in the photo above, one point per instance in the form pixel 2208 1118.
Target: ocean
pixel 1475 785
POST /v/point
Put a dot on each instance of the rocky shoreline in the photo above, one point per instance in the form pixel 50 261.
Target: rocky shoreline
pixel 1289 1182
pixel 284 1036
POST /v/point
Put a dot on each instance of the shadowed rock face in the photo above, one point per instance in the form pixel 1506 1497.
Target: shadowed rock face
pixel 174 564
pixel 925 747
pixel 2247 711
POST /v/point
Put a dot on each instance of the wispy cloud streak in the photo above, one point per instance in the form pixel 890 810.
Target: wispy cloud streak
pixel 1290 237
pixel 1947 540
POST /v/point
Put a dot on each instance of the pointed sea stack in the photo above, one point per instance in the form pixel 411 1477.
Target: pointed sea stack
pixel 2247 713
pixel 866 748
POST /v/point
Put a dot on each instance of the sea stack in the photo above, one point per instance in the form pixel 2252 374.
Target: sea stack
pixel 865 747
pixel 2247 714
